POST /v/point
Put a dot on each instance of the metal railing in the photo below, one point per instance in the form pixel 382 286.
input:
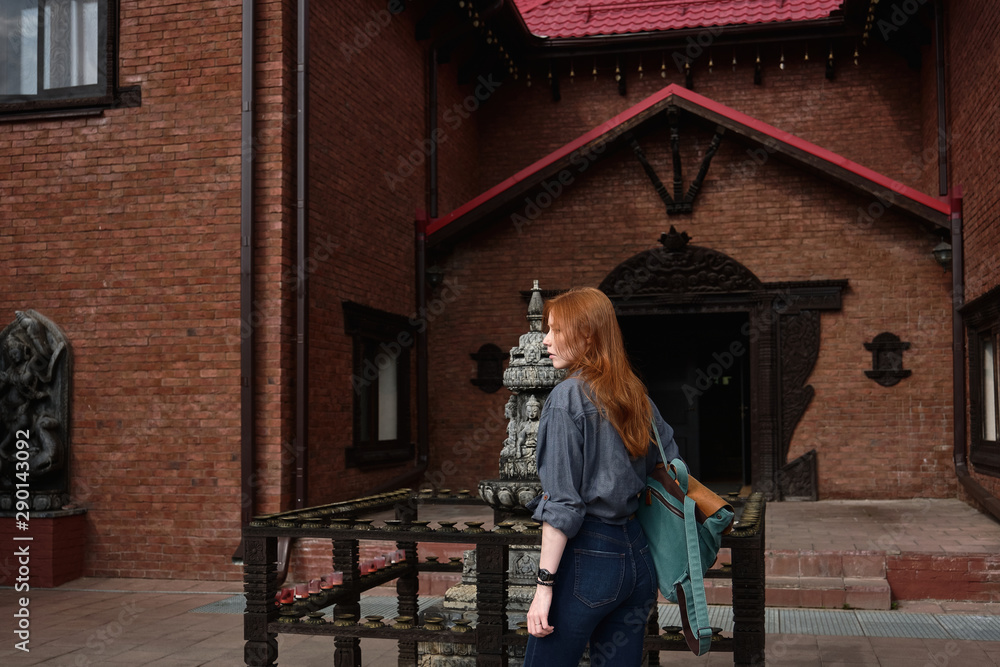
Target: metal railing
pixel 345 525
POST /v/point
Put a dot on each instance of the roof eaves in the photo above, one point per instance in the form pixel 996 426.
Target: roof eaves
pixel 778 142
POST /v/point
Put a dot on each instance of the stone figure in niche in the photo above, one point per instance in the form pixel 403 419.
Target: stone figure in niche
pixel 509 412
pixel 527 436
pixel 34 407
pixel 525 565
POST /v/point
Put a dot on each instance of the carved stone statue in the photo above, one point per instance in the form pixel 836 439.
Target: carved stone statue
pixel 34 411
pixel 530 377
pixel 527 436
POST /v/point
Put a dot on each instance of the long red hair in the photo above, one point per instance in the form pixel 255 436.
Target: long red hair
pixel 587 330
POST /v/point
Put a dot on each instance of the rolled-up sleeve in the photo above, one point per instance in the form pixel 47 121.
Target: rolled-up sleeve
pixel 559 455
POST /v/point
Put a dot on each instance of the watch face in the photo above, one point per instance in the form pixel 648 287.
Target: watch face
pixel 545 575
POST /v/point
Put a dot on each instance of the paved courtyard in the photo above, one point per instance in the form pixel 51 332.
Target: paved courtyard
pixel 179 623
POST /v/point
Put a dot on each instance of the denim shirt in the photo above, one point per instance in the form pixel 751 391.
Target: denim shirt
pixel 583 464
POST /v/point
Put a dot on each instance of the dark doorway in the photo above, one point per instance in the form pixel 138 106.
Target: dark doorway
pixel 697 371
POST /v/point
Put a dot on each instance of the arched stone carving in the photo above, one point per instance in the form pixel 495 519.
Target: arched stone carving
pixel 676 267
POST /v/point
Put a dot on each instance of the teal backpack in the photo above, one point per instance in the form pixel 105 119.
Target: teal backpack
pixel 684 522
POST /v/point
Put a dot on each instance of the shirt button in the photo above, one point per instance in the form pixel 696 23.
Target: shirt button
pixel 545 495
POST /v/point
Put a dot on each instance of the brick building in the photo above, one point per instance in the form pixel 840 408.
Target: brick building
pixel 447 154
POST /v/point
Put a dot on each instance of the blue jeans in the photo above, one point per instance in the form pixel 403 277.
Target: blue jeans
pixel 604 590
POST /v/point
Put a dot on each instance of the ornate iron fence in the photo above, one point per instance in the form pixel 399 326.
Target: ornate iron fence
pixel 344 524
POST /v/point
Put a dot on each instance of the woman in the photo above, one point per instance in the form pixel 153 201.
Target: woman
pixel 596 581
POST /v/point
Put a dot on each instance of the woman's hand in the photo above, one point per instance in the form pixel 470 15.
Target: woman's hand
pixel 538 613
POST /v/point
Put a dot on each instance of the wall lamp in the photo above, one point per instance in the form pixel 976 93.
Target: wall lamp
pixel 942 254
pixel 435 275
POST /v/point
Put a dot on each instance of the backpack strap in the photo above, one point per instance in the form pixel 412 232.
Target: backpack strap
pixel 679 474
pixel 697 608
pixel 694 611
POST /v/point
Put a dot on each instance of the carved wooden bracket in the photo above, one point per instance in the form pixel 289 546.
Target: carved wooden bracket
pixel 680 202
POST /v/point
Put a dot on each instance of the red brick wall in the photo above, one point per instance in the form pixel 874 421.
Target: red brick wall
pixel 782 224
pixel 928 157
pixel 124 229
pixel 973 58
pixel 368 178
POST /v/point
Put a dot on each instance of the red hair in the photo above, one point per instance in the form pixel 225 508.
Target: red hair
pixel 586 328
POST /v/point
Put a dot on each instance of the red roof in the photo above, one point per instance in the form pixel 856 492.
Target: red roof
pixel 792 148
pixel 583 18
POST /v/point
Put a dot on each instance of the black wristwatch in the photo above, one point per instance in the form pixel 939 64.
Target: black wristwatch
pixel 546 578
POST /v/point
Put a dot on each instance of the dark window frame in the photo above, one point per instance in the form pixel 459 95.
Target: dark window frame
pixel 89 99
pixel 376 336
pixel 982 320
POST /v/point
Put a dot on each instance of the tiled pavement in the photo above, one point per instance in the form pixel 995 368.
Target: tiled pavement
pixel 96 622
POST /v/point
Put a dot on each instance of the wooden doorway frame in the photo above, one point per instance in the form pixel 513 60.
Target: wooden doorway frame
pixel 784 337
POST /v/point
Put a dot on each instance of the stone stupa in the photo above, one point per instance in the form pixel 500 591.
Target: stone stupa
pixel 530 377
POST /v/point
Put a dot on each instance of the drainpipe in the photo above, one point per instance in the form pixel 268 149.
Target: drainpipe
pixel 941 102
pixel 302 278
pixel 423 409
pixel 246 275
pixel 302 247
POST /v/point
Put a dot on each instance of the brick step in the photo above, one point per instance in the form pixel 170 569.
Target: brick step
pixel 821 580
pixel 827 579
pixel 973 577
pixel 812 592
